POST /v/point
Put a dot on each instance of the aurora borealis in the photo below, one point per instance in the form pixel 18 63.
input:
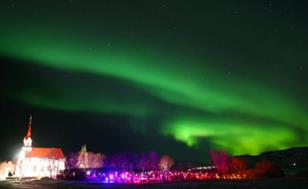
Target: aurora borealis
pixel 223 74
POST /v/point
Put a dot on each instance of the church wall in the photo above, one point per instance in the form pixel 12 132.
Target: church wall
pixel 39 167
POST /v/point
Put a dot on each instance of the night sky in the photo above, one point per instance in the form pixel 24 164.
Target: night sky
pixel 177 77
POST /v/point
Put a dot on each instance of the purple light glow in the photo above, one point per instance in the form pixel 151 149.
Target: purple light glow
pixel 160 176
pixel 88 173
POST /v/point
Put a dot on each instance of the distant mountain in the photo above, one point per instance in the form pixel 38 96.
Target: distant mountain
pixel 293 161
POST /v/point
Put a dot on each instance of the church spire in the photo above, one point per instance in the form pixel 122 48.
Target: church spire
pixel 27 139
pixel 29 127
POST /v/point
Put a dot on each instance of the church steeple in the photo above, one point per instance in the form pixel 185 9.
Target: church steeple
pixel 29 127
pixel 27 139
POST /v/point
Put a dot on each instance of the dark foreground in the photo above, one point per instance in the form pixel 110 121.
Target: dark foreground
pixel 244 184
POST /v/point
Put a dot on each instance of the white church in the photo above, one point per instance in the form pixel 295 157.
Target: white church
pixel 37 161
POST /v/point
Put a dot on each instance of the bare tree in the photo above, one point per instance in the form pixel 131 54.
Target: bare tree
pixel 238 164
pixel 153 160
pixel 221 160
pixel 85 159
pixel 165 163
pixel 142 162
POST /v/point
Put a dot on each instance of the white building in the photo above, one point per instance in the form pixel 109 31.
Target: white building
pixel 38 162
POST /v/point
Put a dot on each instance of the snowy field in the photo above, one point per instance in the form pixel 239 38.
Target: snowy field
pixel 245 184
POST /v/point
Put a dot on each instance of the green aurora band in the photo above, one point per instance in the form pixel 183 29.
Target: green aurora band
pixel 239 114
